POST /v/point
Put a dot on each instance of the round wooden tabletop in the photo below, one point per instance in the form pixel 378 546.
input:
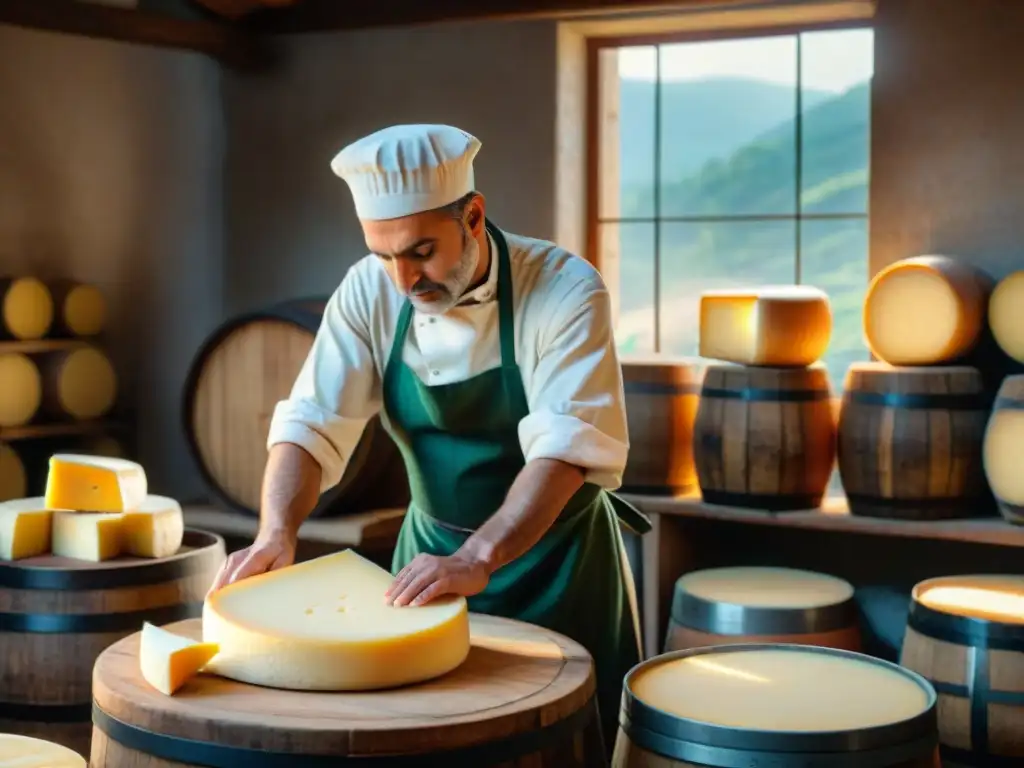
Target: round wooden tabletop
pixel 517 679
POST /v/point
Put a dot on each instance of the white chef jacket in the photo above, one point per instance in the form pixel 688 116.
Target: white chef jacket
pixel 564 347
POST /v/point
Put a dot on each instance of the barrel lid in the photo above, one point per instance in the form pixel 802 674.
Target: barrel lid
pixel 983 610
pixel 716 705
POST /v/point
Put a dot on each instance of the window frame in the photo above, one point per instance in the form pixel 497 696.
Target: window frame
pixel 593 140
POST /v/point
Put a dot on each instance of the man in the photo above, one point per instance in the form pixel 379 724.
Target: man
pixel 491 359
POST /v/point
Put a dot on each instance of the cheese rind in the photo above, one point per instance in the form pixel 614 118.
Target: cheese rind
pixel 156 529
pixel 167 661
pixel 1001 452
pixel 26 308
pixel 18 751
pixel 13 479
pixel 22 389
pixel 92 536
pixel 1006 315
pixel 83 483
pixel 25 528
pixel 787 325
pixel 323 625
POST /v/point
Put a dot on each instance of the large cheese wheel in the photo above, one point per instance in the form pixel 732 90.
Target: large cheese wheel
pixel 910 441
pixel 925 310
pixel 774 705
pixel 717 606
pixel 771 325
pixel 22 390
pixel 26 308
pixel 1003 447
pixel 13 478
pixel 80 383
pixel 965 634
pixel 1006 315
pixel 661 403
pixel 25 752
pixel 80 309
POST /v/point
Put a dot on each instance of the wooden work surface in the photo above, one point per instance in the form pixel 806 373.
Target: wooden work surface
pixel 517 677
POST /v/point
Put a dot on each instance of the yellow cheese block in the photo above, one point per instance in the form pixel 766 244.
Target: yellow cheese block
pixel 168 661
pixel 25 526
pixel 323 625
pixel 156 529
pixel 82 483
pixel 787 325
pixel 1006 315
pixel 925 310
pixel 13 480
pixel 92 536
pixel 25 752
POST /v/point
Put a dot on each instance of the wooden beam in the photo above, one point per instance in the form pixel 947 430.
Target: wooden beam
pixel 228 45
pixel 321 15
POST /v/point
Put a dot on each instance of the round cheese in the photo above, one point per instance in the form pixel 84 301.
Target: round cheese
pixel 925 310
pixel 84 311
pixel 25 752
pixel 991 597
pixel 87 384
pixel 1006 315
pixel 26 308
pixel 1001 452
pixel 324 625
pixel 780 689
pixel 22 389
pixel 766 587
pixel 13 480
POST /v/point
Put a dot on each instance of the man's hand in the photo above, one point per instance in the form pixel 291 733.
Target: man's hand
pixel 427 577
pixel 268 552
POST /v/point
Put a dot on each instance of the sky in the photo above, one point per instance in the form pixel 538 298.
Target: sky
pixel 832 60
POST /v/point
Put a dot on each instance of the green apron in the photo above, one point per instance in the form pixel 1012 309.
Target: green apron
pixel 461 449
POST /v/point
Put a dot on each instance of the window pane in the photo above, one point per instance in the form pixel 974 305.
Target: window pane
pixel 627 78
pixel 627 266
pixel 834 257
pixel 728 129
pixel 700 257
pixel 836 132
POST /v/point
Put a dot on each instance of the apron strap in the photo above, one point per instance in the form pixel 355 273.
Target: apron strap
pixel 506 324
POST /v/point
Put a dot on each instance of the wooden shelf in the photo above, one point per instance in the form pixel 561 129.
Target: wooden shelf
pixel 58 429
pixel 229 45
pixel 834 515
pixel 44 345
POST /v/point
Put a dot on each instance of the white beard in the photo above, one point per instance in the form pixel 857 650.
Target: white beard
pixel 455 283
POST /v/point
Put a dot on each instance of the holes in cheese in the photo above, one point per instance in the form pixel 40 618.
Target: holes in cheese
pixel 925 310
pixel 786 325
pixel 83 483
pixel 18 751
pixel 26 308
pixel 24 528
pixel 1002 446
pixel 323 625
pixel 22 390
pixel 1006 315
pixel 81 309
pixel 168 661
pixel 156 529
pixel 80 383
pixel 13 478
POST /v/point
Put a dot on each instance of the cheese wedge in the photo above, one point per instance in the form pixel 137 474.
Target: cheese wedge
pixel 786 325
pixel 24 528
pixel 82 483
pixel 156 529
pixel 25 752
pixel 1006 315
pixel 92 536
pixel 323 625
pixel 168 661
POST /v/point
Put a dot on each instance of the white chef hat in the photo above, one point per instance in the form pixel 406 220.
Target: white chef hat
pixel 407 169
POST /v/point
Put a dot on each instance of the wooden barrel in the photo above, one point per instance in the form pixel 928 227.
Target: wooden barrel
pixel 13 476
pixel 524 697
pixel 783 706
pixel 1002 447
pixel 764 438
pixel 22 391
pixel 80 309
pixel 79 383
pixel 910 441
pixel 58 614
pixel 719 606
pixel 26 308
pixel 661 405
pixel 965 634
pixel 241 372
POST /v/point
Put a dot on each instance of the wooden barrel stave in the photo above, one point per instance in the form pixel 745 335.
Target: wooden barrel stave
pixel 720 606
pixel 1001 447
pixel 910 441
pixel 975 661
pixel 226 433
pixel 57 615
pixel 523 699
pixel 764 438
pixel 661 396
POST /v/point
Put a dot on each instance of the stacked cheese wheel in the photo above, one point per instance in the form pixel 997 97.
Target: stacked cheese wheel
pixel 31 309
pixel 911 425
pixel 96 508
pixel 764 435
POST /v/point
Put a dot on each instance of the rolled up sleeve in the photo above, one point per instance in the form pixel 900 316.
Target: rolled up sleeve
pixel 337 390
pixel 577 408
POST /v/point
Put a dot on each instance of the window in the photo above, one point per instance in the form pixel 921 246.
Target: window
pixel 729 162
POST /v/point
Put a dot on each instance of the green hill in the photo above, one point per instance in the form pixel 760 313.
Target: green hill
pixel 759 179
